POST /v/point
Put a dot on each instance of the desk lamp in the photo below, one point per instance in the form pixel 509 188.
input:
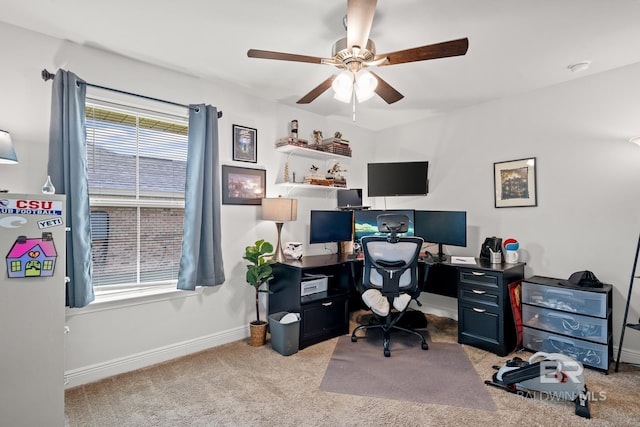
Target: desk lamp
pixel 279 209
pixel 7 153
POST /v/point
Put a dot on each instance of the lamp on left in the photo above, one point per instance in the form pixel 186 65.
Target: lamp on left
pixel 279 209
pixel 7 153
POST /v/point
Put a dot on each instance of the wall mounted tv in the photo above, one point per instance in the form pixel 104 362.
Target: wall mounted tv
pixel 397 179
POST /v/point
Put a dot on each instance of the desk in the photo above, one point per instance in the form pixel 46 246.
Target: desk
pixel 484 314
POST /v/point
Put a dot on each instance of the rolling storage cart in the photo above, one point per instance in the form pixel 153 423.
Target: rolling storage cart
pixel 569 320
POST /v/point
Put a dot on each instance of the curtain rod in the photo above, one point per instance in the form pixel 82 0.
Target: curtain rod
pixel 48 76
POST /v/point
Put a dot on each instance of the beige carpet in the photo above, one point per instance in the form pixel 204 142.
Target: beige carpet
pixel 239 385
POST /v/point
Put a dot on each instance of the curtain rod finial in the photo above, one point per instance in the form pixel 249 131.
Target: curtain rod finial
pixel 47 75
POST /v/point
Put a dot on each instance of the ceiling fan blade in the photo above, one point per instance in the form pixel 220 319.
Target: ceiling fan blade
pixel 432 51
pixel 359 19
pixel 267 54
pixel 385 91
pixel 317 91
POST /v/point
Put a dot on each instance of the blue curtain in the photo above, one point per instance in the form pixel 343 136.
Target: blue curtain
pixel 201 260
pixel 68 170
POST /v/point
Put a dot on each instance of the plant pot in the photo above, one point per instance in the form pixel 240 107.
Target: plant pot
pixel 258 333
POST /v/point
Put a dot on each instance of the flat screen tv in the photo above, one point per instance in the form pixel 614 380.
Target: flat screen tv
pixel 365 222
pixel 330 226
pixel 397 179
pixel 442 227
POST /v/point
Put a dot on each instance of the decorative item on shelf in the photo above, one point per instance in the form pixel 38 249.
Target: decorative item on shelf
pixel 317 137
pixel 259 273
pixel 336 145
pixel 48 187
pixel 336 175
pixel 279 209
pixel 294 129
pixel 298 142
pixel 286 172
pixel 316 178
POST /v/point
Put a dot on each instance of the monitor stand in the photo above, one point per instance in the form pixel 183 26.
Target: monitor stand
pixel 441 257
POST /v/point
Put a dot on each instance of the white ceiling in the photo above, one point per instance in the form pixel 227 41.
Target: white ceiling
pixel 515 46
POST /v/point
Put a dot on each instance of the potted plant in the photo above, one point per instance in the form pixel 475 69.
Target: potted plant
pixel 259 273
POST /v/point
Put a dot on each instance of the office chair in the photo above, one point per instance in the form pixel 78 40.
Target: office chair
pixel 390 277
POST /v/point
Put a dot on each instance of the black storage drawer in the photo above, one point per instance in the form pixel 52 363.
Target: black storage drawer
pixel 480 327
pixel 322 319
pixel 478 295
pixel 487 280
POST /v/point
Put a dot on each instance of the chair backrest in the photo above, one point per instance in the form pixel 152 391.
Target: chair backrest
pixel 391 261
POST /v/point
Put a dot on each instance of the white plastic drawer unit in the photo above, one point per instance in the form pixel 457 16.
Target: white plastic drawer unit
pixel 565 299
pixel 574 325
pixel 588 353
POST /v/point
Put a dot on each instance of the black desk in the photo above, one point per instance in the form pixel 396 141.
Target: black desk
pixel 484 314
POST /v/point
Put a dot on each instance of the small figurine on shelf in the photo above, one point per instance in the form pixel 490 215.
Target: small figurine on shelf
pixel 337 135
pixel 294 129
pixel 317 137
pixel 286 172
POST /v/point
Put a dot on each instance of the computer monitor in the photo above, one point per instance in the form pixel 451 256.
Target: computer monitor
pixel 365 222
pixel 350 198
pixel 330 226
pixel 442 227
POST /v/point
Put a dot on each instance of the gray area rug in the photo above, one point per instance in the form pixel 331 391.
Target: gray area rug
pixel 441 375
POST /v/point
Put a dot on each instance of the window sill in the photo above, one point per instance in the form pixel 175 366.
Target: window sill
pixel 113 300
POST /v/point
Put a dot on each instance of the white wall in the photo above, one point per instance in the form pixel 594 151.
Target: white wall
pixel 588 175
pixel 588 178
pixel 107 340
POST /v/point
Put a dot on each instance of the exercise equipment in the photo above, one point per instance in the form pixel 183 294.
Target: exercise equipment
pixel 552 375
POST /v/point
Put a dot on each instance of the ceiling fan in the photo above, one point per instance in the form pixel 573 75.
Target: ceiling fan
pixel 354 53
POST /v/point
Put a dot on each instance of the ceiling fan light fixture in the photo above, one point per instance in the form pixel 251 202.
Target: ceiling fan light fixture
pixel 343 86
pixel 365 85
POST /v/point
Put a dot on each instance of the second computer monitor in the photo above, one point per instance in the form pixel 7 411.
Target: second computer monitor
pixel 365 222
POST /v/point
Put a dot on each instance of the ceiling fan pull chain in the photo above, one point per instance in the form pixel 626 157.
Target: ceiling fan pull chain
pixel 353 95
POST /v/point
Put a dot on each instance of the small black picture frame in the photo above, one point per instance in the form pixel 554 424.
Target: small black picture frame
pixel 245 144
pixel 243 186
pixel 515 183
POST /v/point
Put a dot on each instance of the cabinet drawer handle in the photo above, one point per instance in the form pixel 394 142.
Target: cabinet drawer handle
pixel 477 273
pixel 475 291
pixel 327 304
pixel 478 310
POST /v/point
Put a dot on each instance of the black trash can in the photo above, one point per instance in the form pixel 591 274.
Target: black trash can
pixel 285 337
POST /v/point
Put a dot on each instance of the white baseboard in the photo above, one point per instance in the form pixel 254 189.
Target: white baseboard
pixel 627 356
pixel 92 373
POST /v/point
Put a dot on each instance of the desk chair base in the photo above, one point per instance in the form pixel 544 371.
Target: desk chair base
pixel 387 324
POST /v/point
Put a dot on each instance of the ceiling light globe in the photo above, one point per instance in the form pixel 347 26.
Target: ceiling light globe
pixel 343 86
pixel 365 85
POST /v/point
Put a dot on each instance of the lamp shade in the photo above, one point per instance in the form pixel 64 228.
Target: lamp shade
pixel 279 209
pixel 7 153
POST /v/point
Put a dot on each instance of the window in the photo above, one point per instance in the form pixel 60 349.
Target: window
pixel 136 164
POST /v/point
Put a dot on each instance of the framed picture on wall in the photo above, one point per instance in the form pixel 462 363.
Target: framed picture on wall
pixel 245 144
pixel 243 186
pixel 515 183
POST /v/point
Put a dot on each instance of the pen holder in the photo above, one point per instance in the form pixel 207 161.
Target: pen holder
pixel 495 257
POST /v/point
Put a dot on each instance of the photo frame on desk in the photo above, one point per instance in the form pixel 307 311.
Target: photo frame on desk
pixel 245 144
pixel 243 186
pixel 515 183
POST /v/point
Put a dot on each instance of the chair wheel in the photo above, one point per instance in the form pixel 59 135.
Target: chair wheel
pixel 425 346
pixel 354 339
pixel 387 353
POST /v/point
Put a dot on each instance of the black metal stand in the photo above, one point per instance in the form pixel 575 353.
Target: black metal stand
pixel 626 325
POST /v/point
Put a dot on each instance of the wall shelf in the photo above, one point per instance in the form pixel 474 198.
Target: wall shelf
pixel 309 152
